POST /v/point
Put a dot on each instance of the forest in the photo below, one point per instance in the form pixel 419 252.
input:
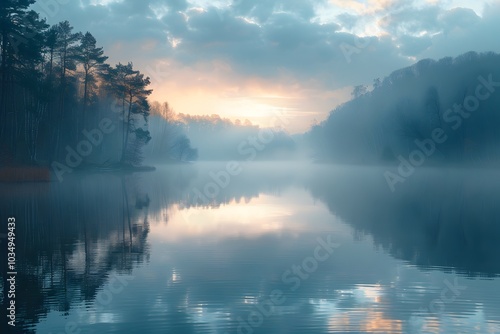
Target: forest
pixel 174 133
pixel 62 106
pixel 397 119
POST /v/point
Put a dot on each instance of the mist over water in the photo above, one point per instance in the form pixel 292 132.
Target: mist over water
pixel 122 253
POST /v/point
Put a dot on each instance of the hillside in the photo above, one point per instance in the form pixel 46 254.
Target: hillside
pixel 443 111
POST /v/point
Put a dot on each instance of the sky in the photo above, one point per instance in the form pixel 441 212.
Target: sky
pixel 254 59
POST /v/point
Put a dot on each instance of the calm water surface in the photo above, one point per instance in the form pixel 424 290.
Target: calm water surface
pixel 280 248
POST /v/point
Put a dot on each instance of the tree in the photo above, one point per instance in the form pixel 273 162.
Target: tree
pixel 92 59
pixel 131 87
pixel 134 154
pixel 20 48
pixel 67 50
pixel 115 81
pixel 358 91
pixel 12 33
pixel 51 36
pixel 182 149
pixel 164 110
pixel 40 107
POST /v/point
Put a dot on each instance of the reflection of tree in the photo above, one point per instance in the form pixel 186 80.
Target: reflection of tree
pixel 250 183
pixel 70 237
pixel 444 219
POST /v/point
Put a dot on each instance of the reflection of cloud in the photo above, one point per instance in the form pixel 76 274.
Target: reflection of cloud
pixel 104 318
pixel 441 324
pixel 250 300
pixel 370 293
pixel 363 319
pixel 377 322
pixel 211 318
pixel 363 315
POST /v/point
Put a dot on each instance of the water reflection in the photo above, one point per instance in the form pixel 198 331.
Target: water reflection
pixel 447 219
pixel 204 267
pixel 70 237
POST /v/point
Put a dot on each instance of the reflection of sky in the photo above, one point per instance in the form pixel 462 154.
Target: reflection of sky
pixel 259 216
pixel 212 266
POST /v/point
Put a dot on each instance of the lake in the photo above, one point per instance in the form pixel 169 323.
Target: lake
pixel 257 248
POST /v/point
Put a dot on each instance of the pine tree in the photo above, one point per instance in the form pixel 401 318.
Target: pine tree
pixel 130 87
pixel 92 59
pixel 67 51
pixel 21 32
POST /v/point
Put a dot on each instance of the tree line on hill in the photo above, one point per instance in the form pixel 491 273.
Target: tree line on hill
pixel 435 112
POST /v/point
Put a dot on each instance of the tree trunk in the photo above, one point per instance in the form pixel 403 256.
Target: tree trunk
pixel 85 98
pixel 127 128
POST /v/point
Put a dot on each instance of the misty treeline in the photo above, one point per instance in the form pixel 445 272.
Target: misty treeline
pixel 60 101
pixel 214 137
pixel 445 111
pixel 169 140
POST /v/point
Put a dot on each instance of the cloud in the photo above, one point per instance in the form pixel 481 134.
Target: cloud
pixel 463 32
pixel 410 45
pixel 262 10
pixel 274 37
pixel 300 43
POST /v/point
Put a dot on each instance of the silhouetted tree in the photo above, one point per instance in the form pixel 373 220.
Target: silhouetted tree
pixel 130 86
pixel 21 42
pixel 358 91
pixel 92 59
pixel 41 110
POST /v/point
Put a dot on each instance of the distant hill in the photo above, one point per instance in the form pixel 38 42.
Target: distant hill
pixel 445 111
